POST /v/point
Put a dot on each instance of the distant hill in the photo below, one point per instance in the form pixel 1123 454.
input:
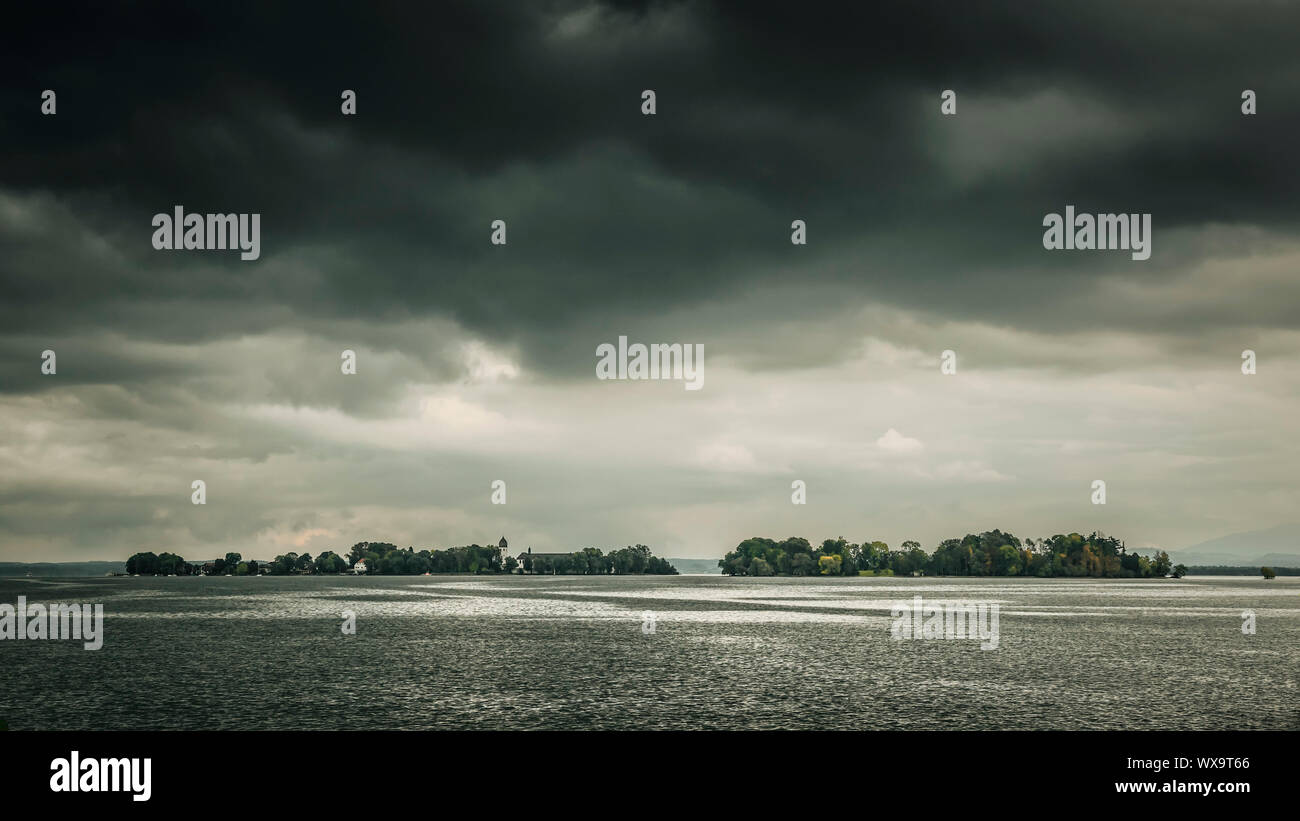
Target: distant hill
pixel 1274 546
pixel 61 569
pixel 685 566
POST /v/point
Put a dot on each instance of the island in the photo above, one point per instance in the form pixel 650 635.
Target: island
pixel 992 553
pixel 386 559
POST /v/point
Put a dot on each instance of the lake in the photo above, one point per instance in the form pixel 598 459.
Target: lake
pixel 573 652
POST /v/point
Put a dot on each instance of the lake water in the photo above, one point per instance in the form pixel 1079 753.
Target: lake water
pixel 567 652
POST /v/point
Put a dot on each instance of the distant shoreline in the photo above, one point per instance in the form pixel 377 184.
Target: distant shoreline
pixel 19 570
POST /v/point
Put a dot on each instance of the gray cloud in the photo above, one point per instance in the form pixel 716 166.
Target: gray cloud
pixel 476 361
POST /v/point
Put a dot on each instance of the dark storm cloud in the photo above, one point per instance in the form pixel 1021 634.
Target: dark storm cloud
pixel 476 361
pixel 530 113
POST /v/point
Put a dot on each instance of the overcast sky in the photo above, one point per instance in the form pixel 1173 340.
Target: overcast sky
pixel 477 362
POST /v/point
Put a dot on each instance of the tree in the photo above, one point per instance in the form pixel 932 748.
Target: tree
pixel 918 559
pixel 232 561
pixel 1268 572
pixel 872 556
pixel 416 563
pixel 829 565
pixel 1180 570
pixel 330 562
pixel 511 563
pixel 836 547
pixel 800 565
pixel 144 564
pixel 1007 561
pixel 1161 565
pixel 660 567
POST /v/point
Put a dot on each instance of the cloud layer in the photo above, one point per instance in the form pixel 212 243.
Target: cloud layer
pixel 476 362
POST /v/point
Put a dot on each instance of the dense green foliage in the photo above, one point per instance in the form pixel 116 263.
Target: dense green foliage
pixel 387 559
pixel 382 558
pixel 631 560
pixel 149 564
pixel 993 553
pixel 168 564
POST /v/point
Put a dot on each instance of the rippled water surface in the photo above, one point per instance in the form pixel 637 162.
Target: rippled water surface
pixel 569 653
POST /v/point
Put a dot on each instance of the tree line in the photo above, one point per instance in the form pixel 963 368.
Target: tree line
pixel 385 559
pixel 631 560
pixel 389 560
pixel 992 553
pixel 169 564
